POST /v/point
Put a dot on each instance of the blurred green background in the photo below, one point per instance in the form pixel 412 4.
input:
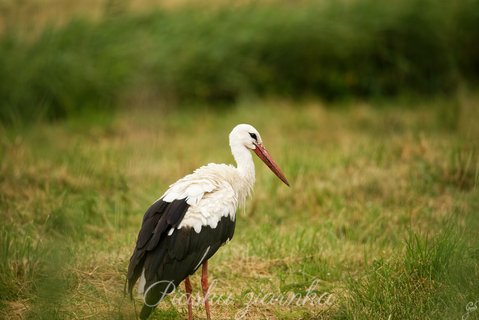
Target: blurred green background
pixel 58 58
pixel 371 109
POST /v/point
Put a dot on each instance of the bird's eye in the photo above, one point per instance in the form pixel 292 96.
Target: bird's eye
pixel 253 135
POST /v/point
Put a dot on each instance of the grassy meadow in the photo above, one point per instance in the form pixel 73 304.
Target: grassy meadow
pixel 381 213
pixel 370 109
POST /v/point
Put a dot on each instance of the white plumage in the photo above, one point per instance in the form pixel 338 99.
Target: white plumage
pixel 210 193
pixel 216 190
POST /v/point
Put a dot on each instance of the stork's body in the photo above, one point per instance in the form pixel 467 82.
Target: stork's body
pixel 192 220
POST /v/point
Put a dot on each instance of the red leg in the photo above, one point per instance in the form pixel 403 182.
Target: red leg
pixel 189 289
pixel 204 285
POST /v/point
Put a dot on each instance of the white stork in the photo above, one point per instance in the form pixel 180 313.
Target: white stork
pixel 192 220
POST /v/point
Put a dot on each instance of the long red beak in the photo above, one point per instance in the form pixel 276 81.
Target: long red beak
pixel 264 155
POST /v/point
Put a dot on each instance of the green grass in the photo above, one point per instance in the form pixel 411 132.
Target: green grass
pixel 381 213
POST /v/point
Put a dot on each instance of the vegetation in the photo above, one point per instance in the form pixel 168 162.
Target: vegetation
pixel 330 49
pixel 382 211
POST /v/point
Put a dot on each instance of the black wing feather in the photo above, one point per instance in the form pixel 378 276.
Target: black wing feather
pixel 171 258
pixel 160 217
pixel 150 220
pixel 172 217
pixel 178 256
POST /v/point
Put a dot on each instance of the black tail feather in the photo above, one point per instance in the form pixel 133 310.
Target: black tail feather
pixel 145 312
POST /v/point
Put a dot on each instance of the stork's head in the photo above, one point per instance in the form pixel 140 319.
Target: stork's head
pixel 247 136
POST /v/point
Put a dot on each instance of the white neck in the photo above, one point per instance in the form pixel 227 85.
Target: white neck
pixel 245 166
